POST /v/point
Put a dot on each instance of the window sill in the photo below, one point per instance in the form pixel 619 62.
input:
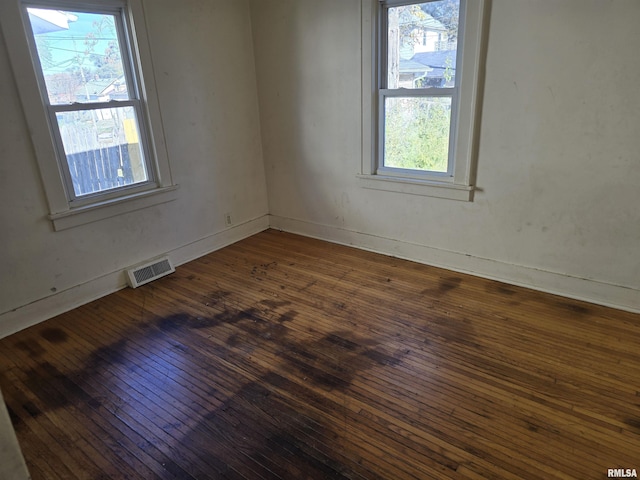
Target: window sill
pixel 413 186
pixel 111 208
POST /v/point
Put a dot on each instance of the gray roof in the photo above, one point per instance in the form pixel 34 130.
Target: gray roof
pixel 409 66
pixel 435 62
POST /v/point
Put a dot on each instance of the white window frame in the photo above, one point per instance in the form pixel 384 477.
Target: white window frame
pixel 458 183
pixel 65 210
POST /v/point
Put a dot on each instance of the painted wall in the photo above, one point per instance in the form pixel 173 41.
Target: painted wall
pixel 558 170
pixel 203 56
pixel 557 206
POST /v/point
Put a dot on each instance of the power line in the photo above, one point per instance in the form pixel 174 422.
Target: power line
pixel 75 38
pixel 77 51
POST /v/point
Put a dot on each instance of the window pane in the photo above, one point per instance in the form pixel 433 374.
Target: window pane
pixel 80 56
pixel 102 148
pixel 422 45
pixel 416 133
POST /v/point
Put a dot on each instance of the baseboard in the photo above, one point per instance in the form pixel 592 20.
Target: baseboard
pixel 601 293
pixel 620 297
pixel 63 301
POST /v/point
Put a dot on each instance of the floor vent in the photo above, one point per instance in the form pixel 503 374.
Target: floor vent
pixel 148 272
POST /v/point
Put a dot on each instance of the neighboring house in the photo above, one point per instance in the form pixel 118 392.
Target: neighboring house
pixel 428 35
pixel 102 90
pixel 428 69
pixel 427 56
pixel 68 87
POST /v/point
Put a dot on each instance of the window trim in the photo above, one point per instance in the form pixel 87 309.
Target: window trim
pixel 469 74
pixel 112 202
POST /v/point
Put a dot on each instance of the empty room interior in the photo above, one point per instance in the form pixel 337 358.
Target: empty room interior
pixel 334 312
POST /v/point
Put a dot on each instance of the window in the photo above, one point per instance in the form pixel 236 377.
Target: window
pixel 418 88
pixel 96 131
pixel 426 61
pixel 92 99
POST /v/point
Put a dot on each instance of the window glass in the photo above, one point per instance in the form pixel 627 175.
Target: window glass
pixel 80 55
pixel 422 43
pixel 416 133
pixel 102 148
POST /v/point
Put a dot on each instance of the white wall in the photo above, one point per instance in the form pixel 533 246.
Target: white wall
pixel 558 205
pixel 203 56
pixel 558 169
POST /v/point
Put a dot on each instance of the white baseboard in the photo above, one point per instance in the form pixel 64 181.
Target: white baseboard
pixel 616 296
pixel 606 294
pixel 63 301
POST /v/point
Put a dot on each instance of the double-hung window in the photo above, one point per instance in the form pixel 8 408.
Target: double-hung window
pixel 93 127
pixel 426 64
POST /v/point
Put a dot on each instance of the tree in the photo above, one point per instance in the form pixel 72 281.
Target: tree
pixel 403 23
pixel 108 65
pixel 417 133
pixel 63 87
pixel 446 12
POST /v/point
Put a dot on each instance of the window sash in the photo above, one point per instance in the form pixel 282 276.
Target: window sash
pixel 63 164
pixel 446 176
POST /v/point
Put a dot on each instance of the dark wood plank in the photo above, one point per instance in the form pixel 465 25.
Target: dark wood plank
pixel 286 357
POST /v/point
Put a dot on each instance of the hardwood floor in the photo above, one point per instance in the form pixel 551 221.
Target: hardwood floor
pixel 286 357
